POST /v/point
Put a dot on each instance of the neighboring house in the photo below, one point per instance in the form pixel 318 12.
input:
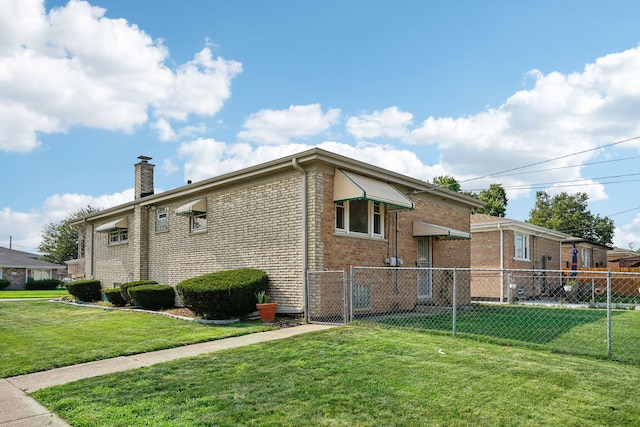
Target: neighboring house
pixel 505 244
pixel 625 258
pixel 20 267
pixel 313 211
pixel 590 255
pixel 75 269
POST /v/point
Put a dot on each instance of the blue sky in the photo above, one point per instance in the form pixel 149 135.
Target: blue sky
pixel 424 88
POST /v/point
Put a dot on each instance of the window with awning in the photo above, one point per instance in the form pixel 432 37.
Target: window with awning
pixel 424 229
pixel 118 224
pixel 194 207
pixel 348 186
pixel 196 210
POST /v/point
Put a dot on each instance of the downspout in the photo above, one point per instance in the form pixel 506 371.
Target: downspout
pixel 296 166
pixel 92 246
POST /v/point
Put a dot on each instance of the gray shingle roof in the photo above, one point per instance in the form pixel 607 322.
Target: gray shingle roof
pixel 19 259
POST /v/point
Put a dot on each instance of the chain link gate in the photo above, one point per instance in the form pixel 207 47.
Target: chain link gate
pixel 593 313
pixel 327 297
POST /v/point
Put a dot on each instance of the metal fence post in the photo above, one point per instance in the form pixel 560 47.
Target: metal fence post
pixel 307 291
pixel 345 290
pixel 455 297
pixel 350 290
pixel 609 313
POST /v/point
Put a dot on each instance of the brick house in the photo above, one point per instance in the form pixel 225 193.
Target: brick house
pixel 623 258
pixel 19 267
pixel 314 210
pixel 590 254
pixel 505 244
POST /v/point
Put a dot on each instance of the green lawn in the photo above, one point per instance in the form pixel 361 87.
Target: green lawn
pixel 41 335
pixel 360 375
pixel 575 331
pixel 57 293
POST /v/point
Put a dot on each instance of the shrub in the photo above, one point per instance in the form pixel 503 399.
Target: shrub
pixel 153 297
pixel 4 283
pixel 224 294
pixel 42 285
pixel 85 290
pixel 124 288
pixel 115 297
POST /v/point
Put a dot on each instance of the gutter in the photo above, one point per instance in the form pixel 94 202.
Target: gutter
pixel 303 190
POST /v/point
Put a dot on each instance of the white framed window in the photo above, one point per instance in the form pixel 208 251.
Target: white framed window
pixel 162 219
pixel 38 274
pixel 362 217
pixel 522 246
pixel 585 255
pixel 118 236
pixel 199 223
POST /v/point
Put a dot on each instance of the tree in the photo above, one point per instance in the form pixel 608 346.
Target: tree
pixel 60 240
pixel 496 201
pixel 495 197
pixel 568 213
pixel 448 182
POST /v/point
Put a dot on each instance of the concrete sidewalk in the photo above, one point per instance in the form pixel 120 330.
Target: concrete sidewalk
pixel 19 410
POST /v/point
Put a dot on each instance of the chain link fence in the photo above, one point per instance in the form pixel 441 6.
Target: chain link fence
pixel 593 313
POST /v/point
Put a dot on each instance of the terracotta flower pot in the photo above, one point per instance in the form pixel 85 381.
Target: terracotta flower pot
pixel 267 311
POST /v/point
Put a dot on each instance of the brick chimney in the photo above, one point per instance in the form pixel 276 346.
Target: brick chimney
pixel 143 177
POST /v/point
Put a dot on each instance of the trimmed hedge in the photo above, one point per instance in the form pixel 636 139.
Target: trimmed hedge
pixel 223 295
pixel 42 285
pixel 4 283
pixel 153 297
pixel 114 296
pixel 124 288
pixel 86 290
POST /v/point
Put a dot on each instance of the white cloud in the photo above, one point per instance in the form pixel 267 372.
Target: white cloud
pixel 73 66
pixel 205 157
pixel 390 122
pixel 627 233
pixel 560 115
pixel 27 226
pixel 163 130
pixel 201 86
pixel 281 126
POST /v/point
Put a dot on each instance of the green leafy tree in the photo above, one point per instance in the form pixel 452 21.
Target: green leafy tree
pixel 60 239
pixel 496 201
pixel 495 197
pixel 569 214
pixel 448 182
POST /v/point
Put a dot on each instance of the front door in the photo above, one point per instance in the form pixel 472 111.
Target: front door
pixel 424 273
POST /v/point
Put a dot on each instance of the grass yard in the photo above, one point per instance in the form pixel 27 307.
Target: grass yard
pixel 41 335
pixel 575 331
pixel 360 375
pixel 57 293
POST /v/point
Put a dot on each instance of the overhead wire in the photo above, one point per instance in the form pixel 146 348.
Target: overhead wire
pixel 551 160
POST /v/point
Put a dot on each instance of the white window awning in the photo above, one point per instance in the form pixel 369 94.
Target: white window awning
pixel 350 186
pixel 118 224
pixel 194 207
pixel 423 229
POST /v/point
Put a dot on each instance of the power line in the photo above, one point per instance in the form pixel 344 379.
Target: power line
pixel 569 183
pixel 628 210
pixel 570 166
pixel 553 159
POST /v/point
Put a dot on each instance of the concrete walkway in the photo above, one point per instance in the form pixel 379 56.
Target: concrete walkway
pixel 19 410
